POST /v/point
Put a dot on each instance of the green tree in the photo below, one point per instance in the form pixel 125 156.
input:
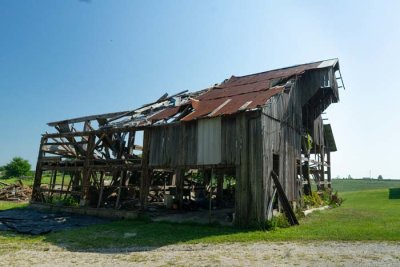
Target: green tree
pixel 380 177
pixel 17 167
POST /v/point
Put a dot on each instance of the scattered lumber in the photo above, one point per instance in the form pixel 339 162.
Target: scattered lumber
pixel 15 192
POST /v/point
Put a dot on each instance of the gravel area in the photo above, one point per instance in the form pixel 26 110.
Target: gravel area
pixel 234 254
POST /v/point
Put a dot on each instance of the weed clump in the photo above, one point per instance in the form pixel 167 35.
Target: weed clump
pixel 276 222
pixel 322 198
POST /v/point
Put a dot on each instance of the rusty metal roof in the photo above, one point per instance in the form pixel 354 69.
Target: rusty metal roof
pixel 247 92
pixel 236 94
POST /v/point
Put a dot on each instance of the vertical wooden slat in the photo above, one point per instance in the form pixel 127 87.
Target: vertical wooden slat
pixel 36 194
pixel 180 177
pixel 328 154
pixel 145 177
pixel 101 189
pixel 86 173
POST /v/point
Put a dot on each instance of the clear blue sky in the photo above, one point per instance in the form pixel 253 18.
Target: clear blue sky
pixel 61 59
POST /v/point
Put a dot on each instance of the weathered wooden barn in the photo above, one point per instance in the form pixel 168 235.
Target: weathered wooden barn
pixel 245 129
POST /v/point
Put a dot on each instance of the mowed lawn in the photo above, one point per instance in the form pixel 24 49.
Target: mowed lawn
pixel 364 215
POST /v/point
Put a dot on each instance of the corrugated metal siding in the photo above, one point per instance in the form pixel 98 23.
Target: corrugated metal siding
pixel 209 141
pixel 228 139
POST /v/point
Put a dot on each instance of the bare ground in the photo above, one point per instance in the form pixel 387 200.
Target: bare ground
pixel 235 254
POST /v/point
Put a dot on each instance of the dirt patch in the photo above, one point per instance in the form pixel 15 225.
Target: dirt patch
pixel 236 254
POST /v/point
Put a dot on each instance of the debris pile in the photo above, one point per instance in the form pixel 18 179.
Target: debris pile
pixel 15 192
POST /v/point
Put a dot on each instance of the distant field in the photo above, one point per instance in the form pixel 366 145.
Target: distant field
pixel 349 185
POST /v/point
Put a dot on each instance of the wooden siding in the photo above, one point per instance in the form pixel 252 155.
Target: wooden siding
pixel 318 131
pixel 281 129
pixel 173 145
pixel 250 206
pixel 203 142
pixel 228 140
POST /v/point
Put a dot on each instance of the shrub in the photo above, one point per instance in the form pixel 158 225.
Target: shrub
pixel 335 199
pixel 314 200
pixel 17 167
pixel 325 197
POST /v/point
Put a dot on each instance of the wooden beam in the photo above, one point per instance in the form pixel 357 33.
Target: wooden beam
pixel 36 194
pixel 87 118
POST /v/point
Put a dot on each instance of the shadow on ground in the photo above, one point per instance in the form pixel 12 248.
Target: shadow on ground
pixel 127 235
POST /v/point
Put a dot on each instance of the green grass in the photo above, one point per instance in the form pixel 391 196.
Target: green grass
pixel 368 215
pixel 28 181
pixel 5 205
pixel 364 215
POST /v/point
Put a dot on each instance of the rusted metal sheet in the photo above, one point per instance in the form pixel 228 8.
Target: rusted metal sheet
pixel 220 106
pixel 165 114
pixel 246 92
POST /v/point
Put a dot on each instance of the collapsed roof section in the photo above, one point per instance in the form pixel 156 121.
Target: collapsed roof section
pixel 233 95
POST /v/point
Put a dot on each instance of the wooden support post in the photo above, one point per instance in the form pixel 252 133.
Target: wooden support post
pixel 145 177
pixel 86 171
pixel 328 154
pixel 180 178
pixel 49 185
pixel 101 190
pixel 220 189
pixel 206 177
pixel 121 179
pixel 71 179
pixel 131 142
pixel 37 194
pixel 53 183
pixel 322 148
pixel 62 183
pixel 306 175
pixel 210 195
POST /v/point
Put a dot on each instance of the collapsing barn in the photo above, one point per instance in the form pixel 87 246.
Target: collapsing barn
pixel 237 144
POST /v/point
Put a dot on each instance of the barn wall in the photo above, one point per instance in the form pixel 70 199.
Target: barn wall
pixel 313 80
pixel 319 89
pixel 249 200
pixel 281 128
pixel 203 142
pixel 228 140
pixel 173 145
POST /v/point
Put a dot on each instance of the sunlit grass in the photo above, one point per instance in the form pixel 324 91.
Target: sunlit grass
pixel 364 215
